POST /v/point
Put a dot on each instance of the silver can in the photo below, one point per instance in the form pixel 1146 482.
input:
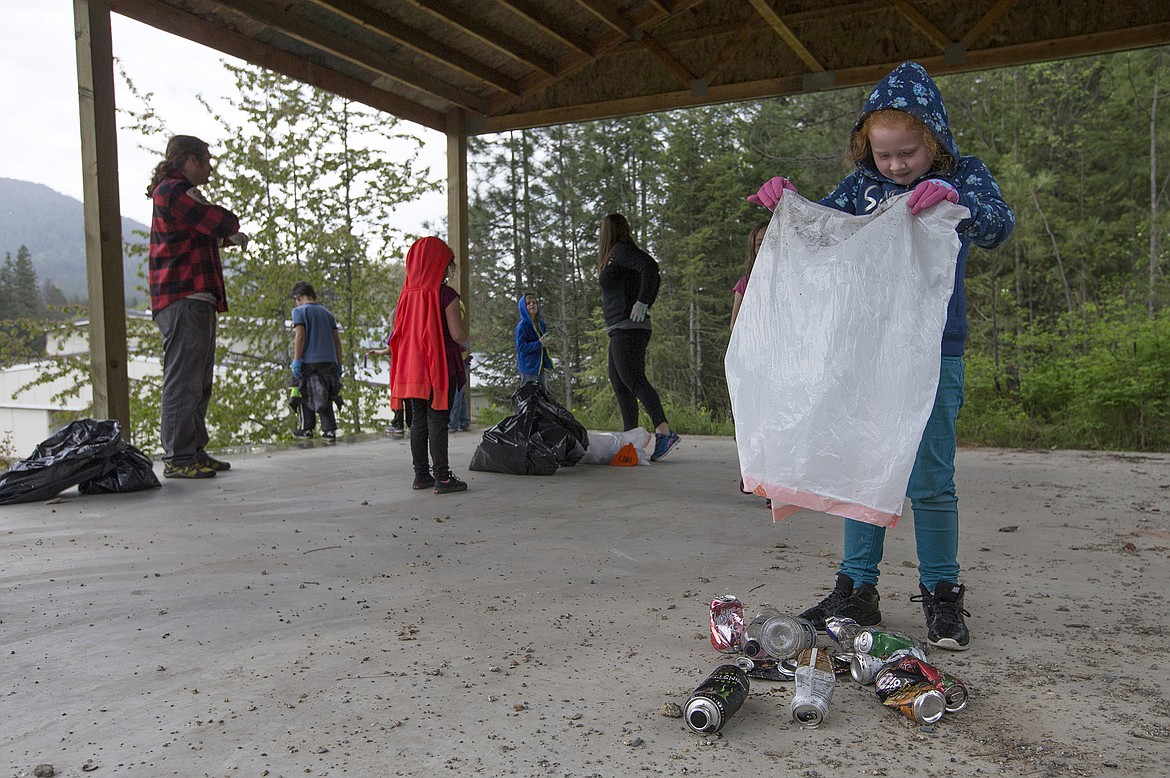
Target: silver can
pixel 814 688
pixel 864 668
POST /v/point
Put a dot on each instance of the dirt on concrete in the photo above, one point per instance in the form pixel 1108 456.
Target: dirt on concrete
pixel 307 613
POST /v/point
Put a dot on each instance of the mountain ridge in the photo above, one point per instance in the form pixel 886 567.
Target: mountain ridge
pixel 52 226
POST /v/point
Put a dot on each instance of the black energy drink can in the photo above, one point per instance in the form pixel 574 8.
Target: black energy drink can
pixel 716 699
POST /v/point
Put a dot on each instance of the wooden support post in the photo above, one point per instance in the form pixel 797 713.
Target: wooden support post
pixel 457 210
pixel 103 218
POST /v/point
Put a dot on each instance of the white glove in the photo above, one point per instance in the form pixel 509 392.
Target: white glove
pixel 546 338
pixel 639 311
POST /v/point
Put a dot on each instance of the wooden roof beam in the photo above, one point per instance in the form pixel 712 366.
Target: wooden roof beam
pixel 339 46
pixel 394 30
pixel 497 40
pixel 219 38
pixel 538 18
pixel 991 17
pixel 605 11
pixel 787 35
pixel 924 25
pixel 572 62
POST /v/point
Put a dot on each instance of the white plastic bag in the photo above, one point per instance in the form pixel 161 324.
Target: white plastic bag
pixel 604 446
pixel 834 361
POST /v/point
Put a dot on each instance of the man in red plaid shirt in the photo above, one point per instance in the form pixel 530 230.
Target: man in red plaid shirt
pixel 186 293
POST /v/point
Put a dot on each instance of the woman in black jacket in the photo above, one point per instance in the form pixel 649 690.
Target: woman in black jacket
pixel 629 286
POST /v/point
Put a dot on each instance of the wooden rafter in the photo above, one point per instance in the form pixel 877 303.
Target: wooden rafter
pixel 991 17
pixel 386 26
pixel 787 35
pixel 924 25
pixel 339 46
pixel 496 39
pixel 232 43
pixel 605 11
pixel 536 17
pixel 729 53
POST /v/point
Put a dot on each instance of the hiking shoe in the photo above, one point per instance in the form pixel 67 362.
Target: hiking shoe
pixel 302 433
pixel 215 464
pixel 193 470
pixel 944 611
pixel 449 484
pixel 423 481
pixel 860 604
pixel 329 435
pixel 663 444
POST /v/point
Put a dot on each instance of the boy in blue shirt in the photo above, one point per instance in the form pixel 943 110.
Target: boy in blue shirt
pixel 316 362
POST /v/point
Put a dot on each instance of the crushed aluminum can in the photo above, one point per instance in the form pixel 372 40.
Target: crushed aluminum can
pixel 814 688
pixel 726 623
pixel 716 699
pixel 864 668
pixel 918 700
pixel 766 668
pixel 956 693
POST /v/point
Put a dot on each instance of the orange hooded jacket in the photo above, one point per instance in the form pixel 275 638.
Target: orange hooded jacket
pixel 419 367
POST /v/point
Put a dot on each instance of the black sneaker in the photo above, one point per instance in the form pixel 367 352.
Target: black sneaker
pixel 944 611
pixel 302 433
pixel 329 435
pixel 859 604
pixel 449 484
pixel 423 481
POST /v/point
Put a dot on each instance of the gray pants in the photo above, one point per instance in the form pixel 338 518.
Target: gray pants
pixel 188 331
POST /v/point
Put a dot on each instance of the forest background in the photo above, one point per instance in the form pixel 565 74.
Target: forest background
pixel 1069 340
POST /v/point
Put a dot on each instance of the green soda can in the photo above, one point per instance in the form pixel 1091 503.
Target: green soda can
pixel 876 642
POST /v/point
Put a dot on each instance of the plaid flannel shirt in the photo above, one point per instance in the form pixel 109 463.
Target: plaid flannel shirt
pixel 185 233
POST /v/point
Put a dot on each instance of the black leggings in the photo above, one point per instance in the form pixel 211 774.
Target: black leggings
pixel 627 373
pixel 428 429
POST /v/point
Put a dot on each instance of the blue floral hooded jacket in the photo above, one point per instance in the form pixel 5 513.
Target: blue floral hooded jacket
pixel 909 88
pixel 531 355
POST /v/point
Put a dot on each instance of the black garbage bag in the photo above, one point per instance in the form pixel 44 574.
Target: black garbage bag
pixel 133 471
pixel 536 440
pixel 558 428
pixel 510 447
pixel 82 451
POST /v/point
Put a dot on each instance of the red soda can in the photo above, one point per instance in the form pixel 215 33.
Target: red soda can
pixel 726 623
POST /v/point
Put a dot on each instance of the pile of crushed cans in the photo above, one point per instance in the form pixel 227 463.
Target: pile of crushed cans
pixel 778 647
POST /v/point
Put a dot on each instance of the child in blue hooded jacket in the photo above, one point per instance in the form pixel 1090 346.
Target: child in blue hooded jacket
pixel 532 340
pixel 902 143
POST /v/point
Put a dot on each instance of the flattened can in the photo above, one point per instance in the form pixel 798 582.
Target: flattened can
pixel 765 667
pixel 814 688
pixel 726 623
pixel 864 668
pixel 716 699
pixel 955 691
pixel 879 643
pixel 918 700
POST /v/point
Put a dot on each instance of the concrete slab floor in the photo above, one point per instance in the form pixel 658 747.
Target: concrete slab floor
pixel 307 613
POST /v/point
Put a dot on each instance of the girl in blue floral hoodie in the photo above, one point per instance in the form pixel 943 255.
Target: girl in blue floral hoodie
pixel 902 143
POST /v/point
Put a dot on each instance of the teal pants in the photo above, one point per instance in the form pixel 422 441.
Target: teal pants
pixel 932 497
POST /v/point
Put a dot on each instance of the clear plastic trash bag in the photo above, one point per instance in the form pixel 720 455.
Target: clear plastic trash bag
pixel 834 361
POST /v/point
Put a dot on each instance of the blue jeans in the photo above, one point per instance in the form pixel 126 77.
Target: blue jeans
pixel 460 412
pixel 932 497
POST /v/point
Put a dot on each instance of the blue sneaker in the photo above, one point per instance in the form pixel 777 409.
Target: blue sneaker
pixel 663 444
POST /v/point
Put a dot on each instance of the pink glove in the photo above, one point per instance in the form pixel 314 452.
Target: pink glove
pixel 771 192
pixel 930 193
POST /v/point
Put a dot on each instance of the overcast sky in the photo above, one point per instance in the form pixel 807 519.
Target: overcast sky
pixel 39 135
